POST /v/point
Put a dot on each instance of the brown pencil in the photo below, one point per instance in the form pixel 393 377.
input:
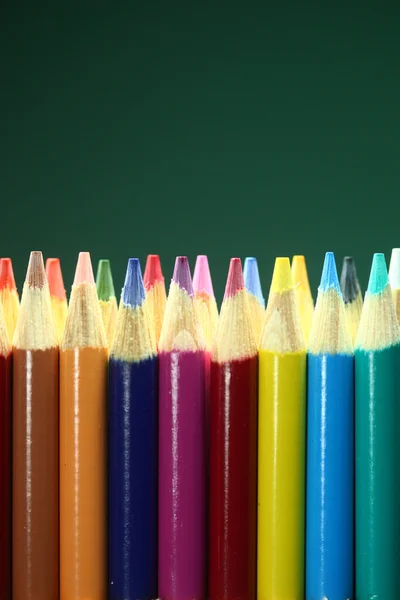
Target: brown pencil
pixel 35 442
pixel 83 458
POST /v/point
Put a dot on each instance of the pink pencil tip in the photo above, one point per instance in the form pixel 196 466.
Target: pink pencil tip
pixel 182 275
pixel 152 273
pixel 84 271
pixel 235 281
pixel 202 277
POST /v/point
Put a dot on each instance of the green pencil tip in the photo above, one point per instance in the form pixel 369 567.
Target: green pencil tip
pixel 104 281
pixel 378 278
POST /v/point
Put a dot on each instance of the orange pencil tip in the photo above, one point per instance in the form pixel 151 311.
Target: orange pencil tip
pixel 7 274
pixel 55 278
pixel 84 271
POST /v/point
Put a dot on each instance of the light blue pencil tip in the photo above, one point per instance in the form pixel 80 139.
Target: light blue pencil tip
pixel 329 279
pixel 378 278
pixel 133 291
pixel 251 278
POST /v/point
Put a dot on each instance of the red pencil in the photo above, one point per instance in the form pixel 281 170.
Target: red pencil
pixel 5 461
pixel 233 449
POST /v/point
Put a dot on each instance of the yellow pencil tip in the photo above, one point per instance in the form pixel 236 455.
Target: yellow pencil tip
pixel 299 272
pixel 282 276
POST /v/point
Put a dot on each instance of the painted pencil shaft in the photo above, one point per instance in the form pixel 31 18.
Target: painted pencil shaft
pixel 330 445
pixel 35 538
pixel 83 434
pixel 233 449
pixel 181 484
pixel 281 444
pixel 377 359
pixel 330 477
pixel 5 461
pixel 9 296
pixel 133 449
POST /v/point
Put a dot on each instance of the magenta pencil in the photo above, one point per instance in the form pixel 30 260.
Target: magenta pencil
pixel 181 491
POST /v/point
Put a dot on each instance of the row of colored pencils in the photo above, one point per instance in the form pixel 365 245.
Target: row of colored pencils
pixel 161 450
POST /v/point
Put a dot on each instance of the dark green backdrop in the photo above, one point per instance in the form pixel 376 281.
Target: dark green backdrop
pixel 199 128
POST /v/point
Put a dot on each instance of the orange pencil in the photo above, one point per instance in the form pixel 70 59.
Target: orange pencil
pixel 58 296
pixel 9 296
pixel 83 449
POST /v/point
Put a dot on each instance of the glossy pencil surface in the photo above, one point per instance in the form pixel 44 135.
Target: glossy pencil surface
pixel 377 358
pixel 57 294
pixel 305 301
pixel 233 449
pixel 330 445
pixel 35 540
pixel 255 296
pixel 281 444
pixel 133 446
pixel 107 299
pixel 181 507
pixel 394 279
pixel 5 460
pixel 83 435
pixel 9 296
pixel 155 293
pixel 351 295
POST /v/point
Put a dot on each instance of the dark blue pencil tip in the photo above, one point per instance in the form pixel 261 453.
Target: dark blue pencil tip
pixel 133 291
pixel 329 279
pixel 252 278
pixel 378 278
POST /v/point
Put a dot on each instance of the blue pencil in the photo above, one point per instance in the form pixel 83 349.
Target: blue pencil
pixel 254 296
pixel 133 449
pixel 330 446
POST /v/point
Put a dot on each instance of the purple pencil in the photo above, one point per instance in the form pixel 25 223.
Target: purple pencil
pixel 181 493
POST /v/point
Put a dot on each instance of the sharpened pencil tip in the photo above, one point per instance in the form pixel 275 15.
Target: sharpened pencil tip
pixel 133 294
pixel 182 275
pixel 378 278
pixel 84 271
pixel 7 274
pixel 329 278
pixel 348 280
pixel 235 281
pixel 394 269
pixel 104 281
pixel 251 278
pixel 299 271
pixel 55 278
pixel 36 275
pixel 152 273
pixel 282 279
pixel 202 276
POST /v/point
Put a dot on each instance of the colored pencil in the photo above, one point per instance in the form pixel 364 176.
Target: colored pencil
pixel 377 358
pixel 57 294
pixel 305 301
pixel 281 443
pixel 35 539
pixel 351 295
pixel 394 279
pixel 9 296
pixel 133 447
pixel 254 296
pixel 107 299
pixel 181 507
pixel 155 294
pixel 83 436
pixel 206 305
pixel 233 448
pixel 330 445
pixel 5 460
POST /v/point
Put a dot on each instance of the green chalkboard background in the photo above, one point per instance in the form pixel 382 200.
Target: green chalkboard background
pixel 212 127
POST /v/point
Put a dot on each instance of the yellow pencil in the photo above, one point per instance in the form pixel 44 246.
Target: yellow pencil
pixel 281 443
pixel 304 298
pixel 9 296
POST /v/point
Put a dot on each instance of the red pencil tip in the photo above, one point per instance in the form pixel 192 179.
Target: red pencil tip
pixel 7 274
pixel 55 279
pixel 84 271
pixel 235 281
pixel 152 273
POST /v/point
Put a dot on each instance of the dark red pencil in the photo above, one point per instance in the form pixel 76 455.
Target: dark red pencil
pixel 233 449
pixel 5 461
